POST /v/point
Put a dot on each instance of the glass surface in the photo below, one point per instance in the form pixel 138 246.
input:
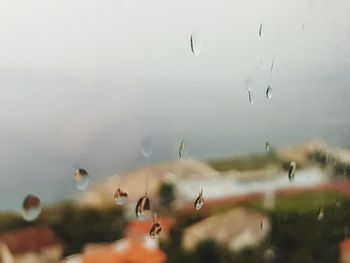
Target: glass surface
pixel 223 124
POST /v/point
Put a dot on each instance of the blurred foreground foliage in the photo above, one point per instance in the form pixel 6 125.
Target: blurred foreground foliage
pixel 75 225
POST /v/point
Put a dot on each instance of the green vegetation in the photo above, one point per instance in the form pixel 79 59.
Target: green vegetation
pixel 76 226
pixel 302 202
pixel 248 162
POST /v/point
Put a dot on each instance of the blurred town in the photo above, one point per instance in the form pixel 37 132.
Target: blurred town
pixel 252 212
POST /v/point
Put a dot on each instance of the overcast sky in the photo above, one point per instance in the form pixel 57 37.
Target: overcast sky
pixel 82 82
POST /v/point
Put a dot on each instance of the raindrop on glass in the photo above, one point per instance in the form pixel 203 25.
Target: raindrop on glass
pixel 198 204
pixel 261 30
pixel 31 207
pixel 291 171
pixel 156 228
pixel 303 26
pixel 320 215
pixel 143 208
pixel 147 147
pixel 183 150
pixel 196 45
pixel 269 92
pixel 267 146
pixel 261 224
pixel 250 96
pixel 120 197
pixel 81 178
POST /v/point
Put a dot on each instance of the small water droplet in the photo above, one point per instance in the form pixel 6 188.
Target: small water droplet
pixel 31 207
pixel 120 197
pixel 183 152
pixel 81 178
pixel 155 230
pixel 269 92
pixel 267 146
pixel 250 96
pixel 261 224
pixel 147 147
pixel 143 208
pixel 261 30
pixel 196 45
pixel 303 26
pixel 320 215
pixel 198 204
pixel 291 171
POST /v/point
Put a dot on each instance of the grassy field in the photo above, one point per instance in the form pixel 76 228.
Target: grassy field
pixel 250 162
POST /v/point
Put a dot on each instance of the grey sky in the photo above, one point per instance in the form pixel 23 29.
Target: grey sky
pixel 82 82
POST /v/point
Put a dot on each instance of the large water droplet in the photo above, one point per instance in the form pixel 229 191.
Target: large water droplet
pixel 198 204
pixel 120 197
pixel 261 30
pixel 269 92
pixel 291 171
pixel 155 230
pixel 31 207
pixel 143 208
pixel 267 146
pixel 183 152
pixel 196 45
pixel 81 178
pixel 147 147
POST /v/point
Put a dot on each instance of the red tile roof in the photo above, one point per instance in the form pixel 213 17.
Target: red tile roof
pixel 29 239
pixel 133 252
pixel 345 245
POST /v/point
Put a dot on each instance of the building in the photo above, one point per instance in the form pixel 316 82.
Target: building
pixel 30 245
pixel 126 250
pixel 235 229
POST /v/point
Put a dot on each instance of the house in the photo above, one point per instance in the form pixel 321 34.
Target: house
pixel 30 245
pixel 126 250
pixel 235 229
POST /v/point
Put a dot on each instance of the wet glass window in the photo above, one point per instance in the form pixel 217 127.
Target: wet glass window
pixel 175 131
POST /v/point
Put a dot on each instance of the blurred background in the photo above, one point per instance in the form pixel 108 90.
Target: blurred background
pixel 246 102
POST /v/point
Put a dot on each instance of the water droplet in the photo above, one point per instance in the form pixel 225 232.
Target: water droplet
pixel 261 30
pixel 82 178
pixel 320 215
pixel 31 207
pixel 250 96
pixel 147 147
pixel 120 197
pixel 269 92
pixel 303 26
pixel 261 224
pixel 183 149
pixel 267 146
pixel 196 45
pixel 198 204
pixel 291 171
pixel 155 230
pixel 143 208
